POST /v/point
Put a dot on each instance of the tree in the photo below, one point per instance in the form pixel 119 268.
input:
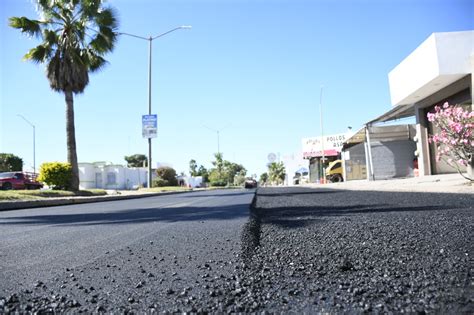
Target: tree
pixel 193 168
pixel 239 178
pixel 232 169
pixel 224 172
pixel 202 171
pixel 263 178
pixel 455 141
pixel 276 173
pixel 75 35
pixel 219 162
pixel 136 160
pixel 10 163
pixel 168 175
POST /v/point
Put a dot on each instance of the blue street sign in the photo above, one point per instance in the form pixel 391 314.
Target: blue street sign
pixel 149 126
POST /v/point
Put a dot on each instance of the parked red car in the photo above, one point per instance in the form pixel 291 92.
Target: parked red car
pixel 19 180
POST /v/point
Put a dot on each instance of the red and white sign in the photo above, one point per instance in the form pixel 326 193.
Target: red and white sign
pixel 313 147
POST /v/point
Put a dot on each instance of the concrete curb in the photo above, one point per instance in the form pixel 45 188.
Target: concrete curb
pixel 15 205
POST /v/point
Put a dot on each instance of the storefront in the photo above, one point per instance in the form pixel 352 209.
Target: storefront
pixel 320 151
pixel 438 71
pixel 380 152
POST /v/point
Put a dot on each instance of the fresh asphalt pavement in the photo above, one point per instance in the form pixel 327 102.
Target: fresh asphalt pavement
pixel 341 251
pixel 120 255
pixel 301 250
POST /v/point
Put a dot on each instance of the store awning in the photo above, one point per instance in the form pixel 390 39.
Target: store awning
pixel 398 112
pixel 382 133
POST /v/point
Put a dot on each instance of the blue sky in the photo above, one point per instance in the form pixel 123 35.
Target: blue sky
pixel 252 67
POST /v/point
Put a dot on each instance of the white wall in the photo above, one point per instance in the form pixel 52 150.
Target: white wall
pixel 442 59
pixel 125 178
pixel 292 163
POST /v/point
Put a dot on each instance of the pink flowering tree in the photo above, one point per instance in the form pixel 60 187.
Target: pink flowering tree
pixel 455 141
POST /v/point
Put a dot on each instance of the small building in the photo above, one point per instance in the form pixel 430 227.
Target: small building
pixel 380 152
pixel 103 175
pixel 319 151
pixel 440 70
pixel 296 169
pixel 190 181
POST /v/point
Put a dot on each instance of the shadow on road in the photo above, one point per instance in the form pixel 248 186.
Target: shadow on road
pixel 174 214
pixel 210 194
pixel 300 207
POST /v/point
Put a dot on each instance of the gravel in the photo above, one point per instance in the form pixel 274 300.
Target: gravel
pixel 302 250
pixel 345 251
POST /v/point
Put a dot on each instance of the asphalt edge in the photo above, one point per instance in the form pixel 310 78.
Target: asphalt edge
pixel 250 237
pixel 16 205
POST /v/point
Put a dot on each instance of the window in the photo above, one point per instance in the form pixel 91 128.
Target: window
pixel 111 178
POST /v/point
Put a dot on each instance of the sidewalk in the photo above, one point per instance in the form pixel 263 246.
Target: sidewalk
pixel 449 183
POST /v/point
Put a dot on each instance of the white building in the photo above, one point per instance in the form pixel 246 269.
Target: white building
pixel 104 175
pixel 315 148
pixel 438 71
pixel 294 163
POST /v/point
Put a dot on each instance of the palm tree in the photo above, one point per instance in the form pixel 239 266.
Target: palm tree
pixel 276 172
pixel 75 35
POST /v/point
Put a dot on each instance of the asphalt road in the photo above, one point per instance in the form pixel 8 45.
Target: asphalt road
pixel 122 255
pixel 299 251
pixel 323 250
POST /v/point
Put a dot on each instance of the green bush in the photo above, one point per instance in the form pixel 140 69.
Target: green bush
pixel 56 175
pixel 168 174
pixel 159 182
pixel 239 180
pixel 10 163
pixel 218 183
pixel 217 178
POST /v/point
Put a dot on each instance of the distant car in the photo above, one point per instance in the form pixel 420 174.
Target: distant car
pixel 250 183
pixel 19 180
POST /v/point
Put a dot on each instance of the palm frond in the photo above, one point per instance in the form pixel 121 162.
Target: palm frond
pixel 90 7
pixel 45 4
pixel 76 34
pixel 66 71
pixel 39 54
pixel 107 17
pixel 30 27
pixel 95 62
pixel 50 37
pixel 104 41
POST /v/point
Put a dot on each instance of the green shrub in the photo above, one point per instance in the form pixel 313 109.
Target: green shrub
pixel 10 163
pixel 56 175
pixel 239 180
pixel 168 174
pixel 159 182
pixel 218 183
pixel 218 178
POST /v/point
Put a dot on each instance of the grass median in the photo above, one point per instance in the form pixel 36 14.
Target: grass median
pixel 165 189
pixel 44 194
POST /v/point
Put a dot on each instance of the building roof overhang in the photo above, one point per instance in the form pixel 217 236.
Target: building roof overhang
pixel 381 133
pixel 442 59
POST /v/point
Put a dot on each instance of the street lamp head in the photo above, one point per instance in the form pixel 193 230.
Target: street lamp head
pixel 186 27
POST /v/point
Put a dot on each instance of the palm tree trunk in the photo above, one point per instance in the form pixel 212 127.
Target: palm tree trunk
pixel 71 141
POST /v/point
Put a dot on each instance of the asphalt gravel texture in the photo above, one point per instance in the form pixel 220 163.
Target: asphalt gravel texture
pixel 358 251
pixel 297 250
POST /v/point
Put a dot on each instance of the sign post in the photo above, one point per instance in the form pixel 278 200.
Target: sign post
pixel 149 126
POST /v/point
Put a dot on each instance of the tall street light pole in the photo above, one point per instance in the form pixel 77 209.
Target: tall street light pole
pixel 150 39
pixel 322 134
pixel 218 132
pixel 34 141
